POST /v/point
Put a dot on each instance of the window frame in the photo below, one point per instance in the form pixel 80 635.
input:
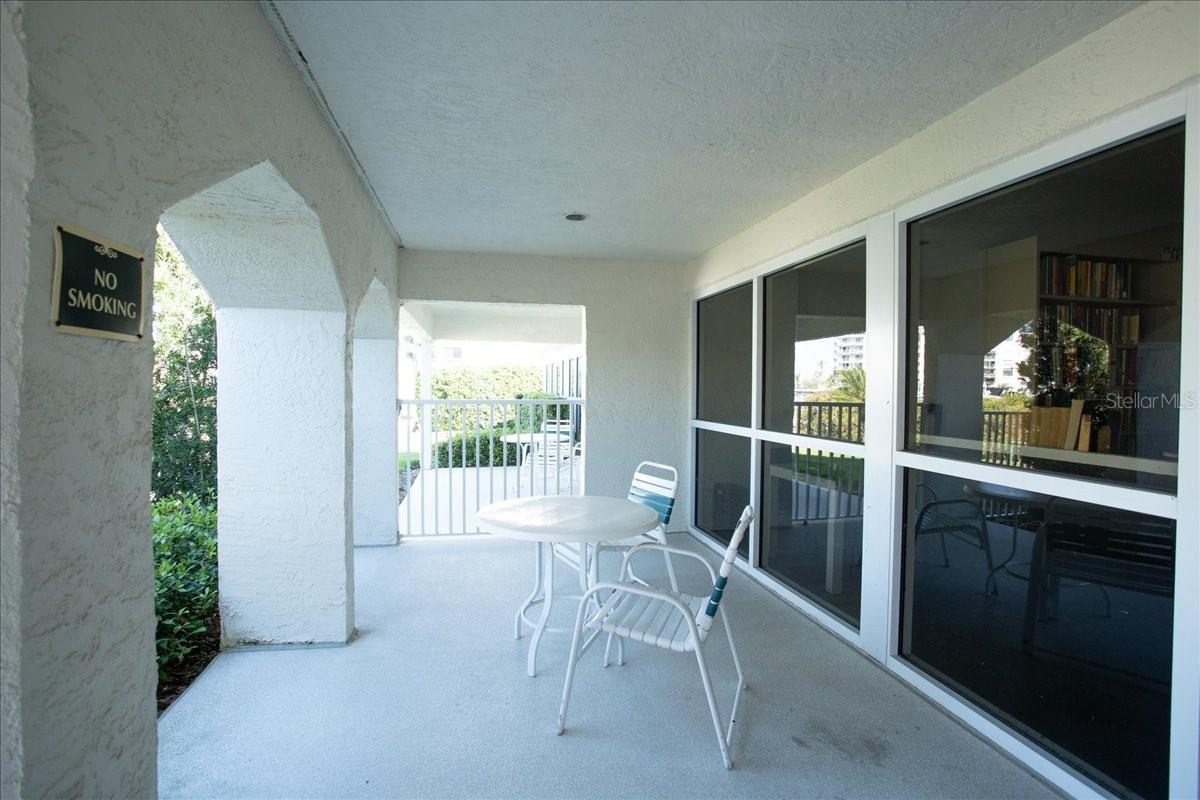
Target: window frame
pixel 886 459
pixel 755 434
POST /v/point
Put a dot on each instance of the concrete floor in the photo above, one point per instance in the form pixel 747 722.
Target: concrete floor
pixel 432 700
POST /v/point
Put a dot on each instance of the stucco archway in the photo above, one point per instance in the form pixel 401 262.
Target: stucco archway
pixel 283 471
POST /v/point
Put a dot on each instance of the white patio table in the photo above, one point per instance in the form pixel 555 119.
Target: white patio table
pixel 546 521
pixel 527 439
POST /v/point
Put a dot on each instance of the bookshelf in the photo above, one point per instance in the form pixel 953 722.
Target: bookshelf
pixel 1089 324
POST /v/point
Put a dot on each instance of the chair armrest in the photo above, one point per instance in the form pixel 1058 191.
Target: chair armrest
pixel 665 549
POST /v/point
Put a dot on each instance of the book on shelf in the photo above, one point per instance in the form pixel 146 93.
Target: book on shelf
pixel 1071 437
pixel 1084 444
pixel 1084 277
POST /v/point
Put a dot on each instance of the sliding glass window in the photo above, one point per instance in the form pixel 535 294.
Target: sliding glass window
pixel 1044 335
pixel 814 387
pixel 722 484
pixel 814 331
pixel 1045 320
pixel 723 360
pixel 812 525
pixel 1053 615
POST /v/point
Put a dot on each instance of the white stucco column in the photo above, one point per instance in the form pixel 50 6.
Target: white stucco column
pixel 376 496
pixel 286 567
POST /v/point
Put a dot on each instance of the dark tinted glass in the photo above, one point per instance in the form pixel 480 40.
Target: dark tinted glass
pixel 1052 614
pixel 723 356
pixel 1044 322
pixel 811 522
pixel 814 330
pixel 722 484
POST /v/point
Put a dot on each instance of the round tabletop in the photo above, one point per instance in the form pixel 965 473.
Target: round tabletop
pixel 567 518
pixel 1020 496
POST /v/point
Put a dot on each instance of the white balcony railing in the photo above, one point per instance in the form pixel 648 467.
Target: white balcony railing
pixel 457 456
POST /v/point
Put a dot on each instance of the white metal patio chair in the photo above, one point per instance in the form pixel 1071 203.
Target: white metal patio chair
pixel 550 452
pixel 656 491
pixel 670 620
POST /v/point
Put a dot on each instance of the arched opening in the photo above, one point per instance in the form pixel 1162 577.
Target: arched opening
pixel 283 471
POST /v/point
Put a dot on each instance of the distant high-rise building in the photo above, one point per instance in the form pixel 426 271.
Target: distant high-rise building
pixel 848 351
pixel 1002 366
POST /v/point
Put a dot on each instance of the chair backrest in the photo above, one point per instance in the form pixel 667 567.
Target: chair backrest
pixel 556 426
pixel 655 491
pixel 704 618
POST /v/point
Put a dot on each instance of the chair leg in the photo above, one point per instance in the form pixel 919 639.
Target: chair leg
pixel 712 707
pixel 737 662
pixel 573 660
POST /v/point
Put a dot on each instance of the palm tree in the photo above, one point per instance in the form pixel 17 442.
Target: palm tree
pixel 850 385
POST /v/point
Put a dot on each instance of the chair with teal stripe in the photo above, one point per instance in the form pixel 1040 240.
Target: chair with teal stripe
pixel 653 485
pixel 669 620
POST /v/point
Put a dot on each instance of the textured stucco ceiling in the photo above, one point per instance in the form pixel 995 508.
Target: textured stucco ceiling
pixel 674 125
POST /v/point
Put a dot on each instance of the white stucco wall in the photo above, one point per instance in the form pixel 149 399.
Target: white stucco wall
pixel 135 107
pixel 16 142
pixel 503 323
pixel 375 474
pixel 375 360
pixel 286 568
pixel 635 341
pixel 1148 51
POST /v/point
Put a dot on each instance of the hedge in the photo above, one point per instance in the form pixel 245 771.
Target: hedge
pixel 492 451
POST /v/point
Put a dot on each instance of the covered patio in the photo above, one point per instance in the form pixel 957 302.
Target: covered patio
pixel 435 671
pixel 885 287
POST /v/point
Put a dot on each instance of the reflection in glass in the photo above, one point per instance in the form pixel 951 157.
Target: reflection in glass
pixel 811 521
pixel 1044 320
pixel 1052 614
pixel 814 331
pixel 723 357
pixel 722 484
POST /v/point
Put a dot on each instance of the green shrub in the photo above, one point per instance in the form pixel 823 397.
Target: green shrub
pixel 185 575
pixel 491 450
pixel 409 460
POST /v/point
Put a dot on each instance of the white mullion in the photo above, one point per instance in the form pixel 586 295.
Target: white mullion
pixel 898 395
pixel 693 356
pixel 722 427
pixel 756 379
pixel 1185 641
pixel 852 449
pixel 880 366
pixel 1126 498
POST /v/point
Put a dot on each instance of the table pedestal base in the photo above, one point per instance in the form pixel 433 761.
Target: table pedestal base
pixel 543 594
